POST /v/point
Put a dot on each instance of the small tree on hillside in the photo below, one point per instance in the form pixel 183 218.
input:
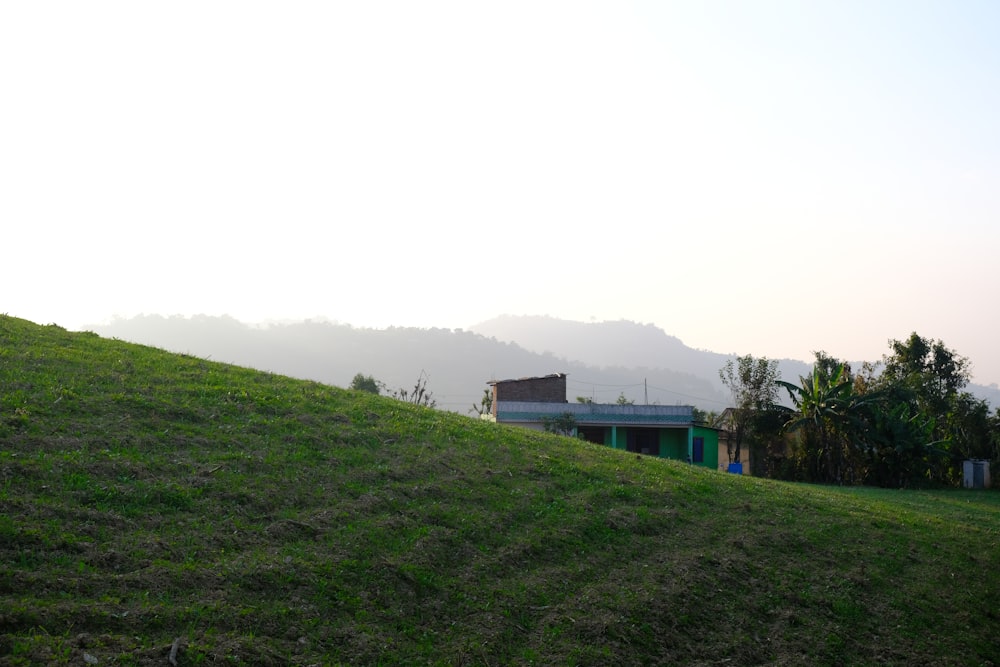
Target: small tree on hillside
pixel 366 383
pixel 753 385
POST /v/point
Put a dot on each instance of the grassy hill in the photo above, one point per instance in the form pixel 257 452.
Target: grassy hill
pixel 158 507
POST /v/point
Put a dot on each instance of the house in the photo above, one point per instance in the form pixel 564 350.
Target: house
pixel 765 458
pixel 665 431
pixel 727 439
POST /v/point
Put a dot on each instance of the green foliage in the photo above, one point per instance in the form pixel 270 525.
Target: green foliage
pixel 901 449
pixel 366 383
pixel 561 424
pixel 826 414
pixel 909 425
pixel 930 378
pixel 841 420
pixel 768 443
pixel 700 416
pixel 624 401
pixel 753 386
pixel 926 366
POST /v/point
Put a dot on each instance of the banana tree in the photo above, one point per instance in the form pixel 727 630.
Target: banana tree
pixel 829 414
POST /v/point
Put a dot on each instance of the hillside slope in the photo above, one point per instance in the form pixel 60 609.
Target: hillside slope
pixel 156 505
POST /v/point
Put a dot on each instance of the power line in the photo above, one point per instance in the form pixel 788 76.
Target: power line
pixel 584 384
pixel 598 384
pixel 699 398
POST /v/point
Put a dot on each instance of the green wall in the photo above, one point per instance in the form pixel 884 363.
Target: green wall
pixel 674 443
pixel 711 437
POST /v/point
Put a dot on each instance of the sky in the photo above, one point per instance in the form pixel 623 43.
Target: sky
pixel 754 177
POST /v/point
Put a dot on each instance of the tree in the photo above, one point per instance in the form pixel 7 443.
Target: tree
pixel 930 378
pixel 901 448
pixel 624 401
pixel 928 363
pixel 827 416
pixel 841 418
pixel 563 424
pixel 752 383
pixel 971 427
pixel 768 444
pixel 699 416
pixel 366 383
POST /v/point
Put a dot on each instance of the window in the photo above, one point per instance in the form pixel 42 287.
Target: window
pixel 698 450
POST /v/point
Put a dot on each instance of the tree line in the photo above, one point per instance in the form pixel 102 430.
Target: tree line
pixel 902 422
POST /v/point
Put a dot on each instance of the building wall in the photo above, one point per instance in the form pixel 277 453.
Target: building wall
pixel 547 389
pixel 674 443
pixel 711 452
pixel 668 443
pixel 723 452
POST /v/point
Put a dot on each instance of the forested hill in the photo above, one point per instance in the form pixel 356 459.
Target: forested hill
pixel 604 360
pixel 457 363
pixel 616 343
pixel 625 343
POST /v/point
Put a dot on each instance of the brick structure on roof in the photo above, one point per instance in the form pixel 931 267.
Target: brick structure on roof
pixel 544 389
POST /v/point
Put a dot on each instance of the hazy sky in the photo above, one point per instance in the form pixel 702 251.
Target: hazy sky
pixel 761 177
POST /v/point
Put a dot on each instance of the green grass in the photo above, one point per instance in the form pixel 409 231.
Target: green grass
pixel 149 498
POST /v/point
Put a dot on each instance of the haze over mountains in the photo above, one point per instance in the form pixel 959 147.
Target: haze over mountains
pixel 603 360
pixel 617 343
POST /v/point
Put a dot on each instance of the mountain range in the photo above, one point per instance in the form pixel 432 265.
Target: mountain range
pixel 603 360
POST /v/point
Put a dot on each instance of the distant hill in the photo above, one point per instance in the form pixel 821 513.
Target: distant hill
pixel 629 344
pixel 458 363
pixel 613 343
pixel 603 360
pixel 617 343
